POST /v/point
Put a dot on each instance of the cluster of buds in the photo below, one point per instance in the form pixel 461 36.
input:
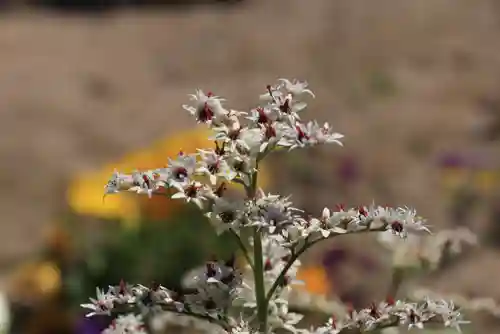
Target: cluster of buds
pixel 270 231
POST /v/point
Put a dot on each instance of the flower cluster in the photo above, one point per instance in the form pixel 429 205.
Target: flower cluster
pixel 390 313
pixel 270 231
pixel 129 323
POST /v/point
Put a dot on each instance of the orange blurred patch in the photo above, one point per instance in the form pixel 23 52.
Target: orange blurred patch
pixel 85 192
pixel 315 279
pixel 59 241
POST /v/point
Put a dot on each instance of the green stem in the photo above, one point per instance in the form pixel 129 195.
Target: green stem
pixel 396 280
pixel 260 292
pixel 253 187
pixel 258 263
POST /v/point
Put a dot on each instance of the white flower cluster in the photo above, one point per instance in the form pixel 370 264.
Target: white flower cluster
pixel 210 291
pixel 481 304
pixel 130 323
pixel 269 230
pixel 391 313
pixel 238 146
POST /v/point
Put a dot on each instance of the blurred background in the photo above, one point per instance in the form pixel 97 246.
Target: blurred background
pixel 87 86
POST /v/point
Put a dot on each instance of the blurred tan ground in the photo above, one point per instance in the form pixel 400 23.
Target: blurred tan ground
pixel 78 92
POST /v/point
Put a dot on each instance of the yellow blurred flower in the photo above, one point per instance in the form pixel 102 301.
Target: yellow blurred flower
pixel 35 280
pixel 486 180
pixel 85 192
pixel 315 279
pixel 454 177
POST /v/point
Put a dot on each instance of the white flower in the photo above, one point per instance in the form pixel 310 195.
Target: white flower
pixel 290 109
pixel 333 326
pixel 242 139
pixel 226 214
pixel 451 316
pixel 250 140
pixel 316 226
pixel 272 133
pixel 280 317
pixel 296 88
pixel 403 221
pixel 294 137
pixel 130 324
pixel 272 212
pixel 122 294
pixel 118 182
pixel 242 327
pixel 454 321
pixel 412 315
pixel 263 115
pixel 272 95
pixel 100 306
pixel 213 273
pixel 308 135
pixel 181 169
pixel 207 109
pixel 214 165
pixel 192 192
pixel 322 134
pixel 143 183
pixel 243 165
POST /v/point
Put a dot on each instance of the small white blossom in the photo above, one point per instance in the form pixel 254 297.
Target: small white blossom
pixel 192 192
pixel 310 134
pixel 296 88
pixel 226 214
pixel 102 305
pixel 207 109
pixel 181 169
pixel 215 166
pixel 118 182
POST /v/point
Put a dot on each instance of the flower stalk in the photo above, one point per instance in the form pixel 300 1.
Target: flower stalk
pixel 260 292
pixel 253 299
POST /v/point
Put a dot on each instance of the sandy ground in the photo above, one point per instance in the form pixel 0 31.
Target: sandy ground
pixel 77 92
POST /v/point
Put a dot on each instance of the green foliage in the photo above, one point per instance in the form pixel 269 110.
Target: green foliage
pixel 160 251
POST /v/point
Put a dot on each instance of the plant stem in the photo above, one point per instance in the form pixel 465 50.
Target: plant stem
pixel 260 292
pixel 396 280
pixel 258 263
pixel 253 187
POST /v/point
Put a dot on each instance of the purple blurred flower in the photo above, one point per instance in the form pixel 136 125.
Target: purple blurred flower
pixel 452 160
pixel 333 258
pixel 93 325
pixel 348 170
